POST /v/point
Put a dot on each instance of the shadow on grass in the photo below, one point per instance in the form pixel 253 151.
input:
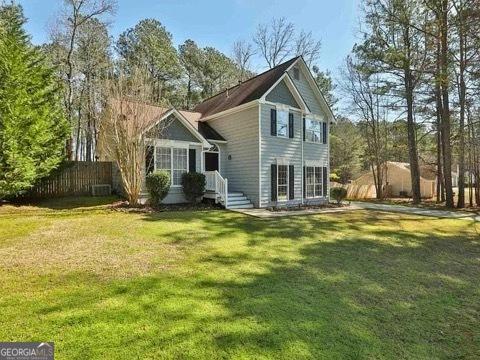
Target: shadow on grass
pixel 348 286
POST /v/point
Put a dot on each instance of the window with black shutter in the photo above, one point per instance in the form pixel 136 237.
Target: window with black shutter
pixel 192 160
pixel 290 125
pixel 273 181
pixel 291 182
pixel 149 159
pixel 273 122
pixel 325 181
pixel 303 129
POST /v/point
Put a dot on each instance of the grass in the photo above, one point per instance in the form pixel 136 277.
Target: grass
pixel 214 284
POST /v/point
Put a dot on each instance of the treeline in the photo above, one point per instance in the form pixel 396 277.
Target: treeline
pixel 85 54
pixel 418 61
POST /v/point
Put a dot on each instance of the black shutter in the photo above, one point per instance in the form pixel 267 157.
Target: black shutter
pixel 192 160
pixel 149 160
pixel 303 129
pixel 304 182
pixel 273 122
pixel 324 132
pixel 291 182
pixel 325 182
pixel 290 125
pixel 273 182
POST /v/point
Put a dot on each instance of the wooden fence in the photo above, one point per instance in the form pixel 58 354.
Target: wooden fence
pixel 73 178
pixel 355 191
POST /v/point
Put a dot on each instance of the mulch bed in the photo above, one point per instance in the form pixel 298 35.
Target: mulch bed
pixel 124 206
pixel 301 207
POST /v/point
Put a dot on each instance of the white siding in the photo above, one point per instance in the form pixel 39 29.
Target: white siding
pixel 241 132
pixel 274 147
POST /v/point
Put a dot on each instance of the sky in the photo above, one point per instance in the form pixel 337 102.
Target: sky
pixel 219 23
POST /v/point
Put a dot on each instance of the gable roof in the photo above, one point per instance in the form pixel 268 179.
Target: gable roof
pixel 152 114
pixel 249 90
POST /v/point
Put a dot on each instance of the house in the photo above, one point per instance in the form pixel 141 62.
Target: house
pixel 261 143
pixel 398 182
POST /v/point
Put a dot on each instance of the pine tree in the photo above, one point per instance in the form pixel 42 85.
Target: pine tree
pixel 33 128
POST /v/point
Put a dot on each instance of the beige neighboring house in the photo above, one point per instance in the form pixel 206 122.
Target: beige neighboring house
pixel 398 181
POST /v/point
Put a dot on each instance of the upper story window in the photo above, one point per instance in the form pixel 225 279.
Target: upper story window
pixel 282 122
pixel 313 130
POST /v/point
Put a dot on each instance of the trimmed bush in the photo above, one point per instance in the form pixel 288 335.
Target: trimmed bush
pixel 338 194
pixel 193 186
pixel 158 185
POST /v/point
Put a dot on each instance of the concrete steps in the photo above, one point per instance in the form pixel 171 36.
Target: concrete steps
pixel 237 200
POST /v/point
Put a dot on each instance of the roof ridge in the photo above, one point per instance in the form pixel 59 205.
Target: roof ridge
pixel 249 79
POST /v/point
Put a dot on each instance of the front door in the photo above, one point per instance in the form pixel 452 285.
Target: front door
pixel 211 161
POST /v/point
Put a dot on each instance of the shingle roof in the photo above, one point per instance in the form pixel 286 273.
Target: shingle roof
pixel 249 90
pixel 203 128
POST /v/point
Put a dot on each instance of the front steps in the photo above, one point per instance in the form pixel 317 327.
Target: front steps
pixel 237 200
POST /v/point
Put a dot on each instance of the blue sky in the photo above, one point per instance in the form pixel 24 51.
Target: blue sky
pixel 219 23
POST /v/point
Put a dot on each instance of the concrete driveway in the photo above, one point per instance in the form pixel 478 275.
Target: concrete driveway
pixel 449 214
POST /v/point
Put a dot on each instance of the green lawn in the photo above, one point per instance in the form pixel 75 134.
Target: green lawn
pixel 107 284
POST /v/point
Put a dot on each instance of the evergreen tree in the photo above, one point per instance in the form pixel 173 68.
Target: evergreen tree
pixel 33 128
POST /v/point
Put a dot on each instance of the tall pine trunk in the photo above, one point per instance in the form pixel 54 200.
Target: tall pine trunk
pixel 446 125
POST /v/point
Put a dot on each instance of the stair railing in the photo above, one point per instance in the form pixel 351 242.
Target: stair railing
pixel 221 188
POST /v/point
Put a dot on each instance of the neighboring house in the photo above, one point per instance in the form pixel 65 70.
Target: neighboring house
pixel 398 181
pixel 261 143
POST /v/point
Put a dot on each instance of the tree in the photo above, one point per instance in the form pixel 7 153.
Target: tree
pixel 395 46
pixel 149 46
pixel 274 40
pixel 346 148
pixel 308 47
pixel 94 62
pixel 368 100
pixel 191 58
pixel 76 14
pixel 242 53
pixel 124 133
pixel 33 127
pixel 326 85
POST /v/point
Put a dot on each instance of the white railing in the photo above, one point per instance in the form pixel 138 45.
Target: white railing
pixel 216 183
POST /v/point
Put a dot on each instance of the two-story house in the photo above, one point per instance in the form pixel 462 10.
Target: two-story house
pixel 261 143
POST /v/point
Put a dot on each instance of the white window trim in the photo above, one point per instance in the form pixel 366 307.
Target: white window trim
pixel 213 152
pixel 283 108
pixel 171 146
pixel 314 165
pixel 314 118
pixel 288 181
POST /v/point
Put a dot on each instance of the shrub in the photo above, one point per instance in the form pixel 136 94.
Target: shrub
pixel 193 185
pixel 338 194
pixel 158 185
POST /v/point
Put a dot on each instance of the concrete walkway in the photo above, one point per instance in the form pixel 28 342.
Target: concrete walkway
pixel 266 214
pixel 448 214
pixel 360 205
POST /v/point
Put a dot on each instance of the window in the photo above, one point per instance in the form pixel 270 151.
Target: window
pixel 172 160
pixel 163 159
pixel 180 165
pixel 313 181
pixel 282 123
pixel 313 130
pixel 282 182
